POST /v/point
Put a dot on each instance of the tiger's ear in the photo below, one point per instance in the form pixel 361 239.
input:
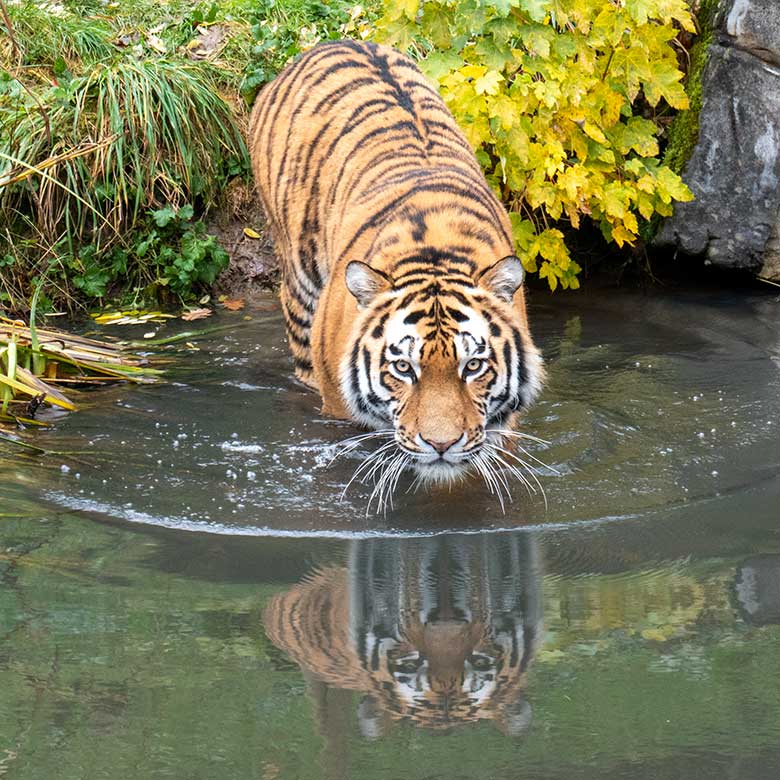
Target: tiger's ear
pixel 516 718
pixel 365 282
pixel 503 278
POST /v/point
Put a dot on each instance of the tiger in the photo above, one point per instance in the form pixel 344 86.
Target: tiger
pixel 402 296
pixel 438 631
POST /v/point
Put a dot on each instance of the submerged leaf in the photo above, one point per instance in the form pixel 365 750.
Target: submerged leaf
pixel 196 314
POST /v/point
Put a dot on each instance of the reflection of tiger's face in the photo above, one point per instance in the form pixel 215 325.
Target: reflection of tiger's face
pixel 446 673
pixel 439 632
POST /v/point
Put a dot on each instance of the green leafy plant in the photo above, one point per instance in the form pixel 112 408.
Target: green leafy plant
pixel 185 257
pixel 280 30
pixel 170 255
pixel 559 99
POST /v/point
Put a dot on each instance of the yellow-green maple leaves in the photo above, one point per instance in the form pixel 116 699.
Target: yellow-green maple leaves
pixel 543 90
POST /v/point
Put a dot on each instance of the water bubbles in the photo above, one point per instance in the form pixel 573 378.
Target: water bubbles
pixel 250 449
pixel 250 475
pixel 64 468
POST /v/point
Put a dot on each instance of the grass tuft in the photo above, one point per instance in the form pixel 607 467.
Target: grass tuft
pixel 92 157
pixel 44 33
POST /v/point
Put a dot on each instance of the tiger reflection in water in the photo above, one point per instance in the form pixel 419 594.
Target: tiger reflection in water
pixel 439 631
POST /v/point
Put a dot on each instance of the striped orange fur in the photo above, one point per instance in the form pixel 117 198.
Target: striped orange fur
pixel 401 293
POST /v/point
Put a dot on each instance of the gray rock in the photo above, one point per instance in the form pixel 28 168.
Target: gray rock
pixel 753 25
pixel 734 171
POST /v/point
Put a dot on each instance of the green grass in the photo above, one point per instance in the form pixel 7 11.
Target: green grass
pixel 42 36
pixel 125 138
pixel 113 113
pixel 105 119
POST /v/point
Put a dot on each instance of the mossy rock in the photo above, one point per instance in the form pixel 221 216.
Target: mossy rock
pixel 684 130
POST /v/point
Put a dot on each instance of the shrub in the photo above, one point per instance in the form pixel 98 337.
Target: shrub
pixel 560 100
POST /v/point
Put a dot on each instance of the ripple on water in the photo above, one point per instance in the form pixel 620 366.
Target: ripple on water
pixel 658 418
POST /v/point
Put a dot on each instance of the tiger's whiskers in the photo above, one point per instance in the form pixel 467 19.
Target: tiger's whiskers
pixel 353 442
pixel 489 475
pixel 372 462
pixel 385 485
pixel 493 462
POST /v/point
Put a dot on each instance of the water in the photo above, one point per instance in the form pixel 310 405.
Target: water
pixel 184 593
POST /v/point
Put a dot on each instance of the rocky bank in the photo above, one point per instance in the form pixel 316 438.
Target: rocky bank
pixel 734 169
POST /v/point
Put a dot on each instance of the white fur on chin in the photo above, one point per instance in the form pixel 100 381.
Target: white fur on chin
pixel 440 472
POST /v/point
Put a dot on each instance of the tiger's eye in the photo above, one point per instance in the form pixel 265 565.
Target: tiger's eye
pixel 480 662
pixel 408 665
pixel 402 366
pixel 474 365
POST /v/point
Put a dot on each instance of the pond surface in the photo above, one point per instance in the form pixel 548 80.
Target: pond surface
pixel 186 590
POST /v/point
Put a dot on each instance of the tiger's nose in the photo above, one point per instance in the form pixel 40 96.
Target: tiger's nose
pixel 441 446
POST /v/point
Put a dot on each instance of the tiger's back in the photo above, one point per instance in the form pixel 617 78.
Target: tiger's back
pixel 356 157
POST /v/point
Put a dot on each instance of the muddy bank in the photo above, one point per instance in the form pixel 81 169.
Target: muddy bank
pixel 241 231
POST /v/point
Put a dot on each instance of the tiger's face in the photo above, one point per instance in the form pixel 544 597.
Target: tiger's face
pixel 444 361
pixel 446 672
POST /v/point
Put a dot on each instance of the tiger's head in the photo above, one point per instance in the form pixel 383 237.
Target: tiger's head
pixel 447 673
pixel 443 358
